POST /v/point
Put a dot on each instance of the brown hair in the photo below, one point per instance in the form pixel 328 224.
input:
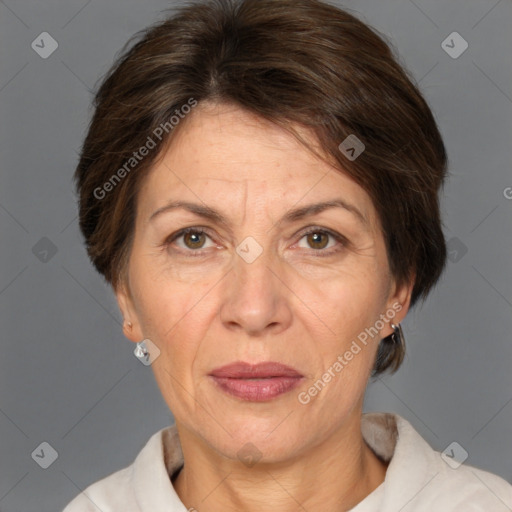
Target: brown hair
pixel 288 61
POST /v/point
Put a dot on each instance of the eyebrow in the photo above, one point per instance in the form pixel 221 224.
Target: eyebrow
pixel 293 215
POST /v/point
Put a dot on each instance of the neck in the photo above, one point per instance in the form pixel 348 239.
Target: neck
pixel 333 476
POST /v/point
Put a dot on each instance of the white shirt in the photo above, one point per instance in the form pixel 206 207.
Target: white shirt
pixel 418 478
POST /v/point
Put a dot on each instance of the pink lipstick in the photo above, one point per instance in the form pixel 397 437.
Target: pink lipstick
pixel 256 383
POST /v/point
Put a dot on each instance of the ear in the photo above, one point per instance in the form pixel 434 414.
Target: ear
pixel 131 325
pixel 398 304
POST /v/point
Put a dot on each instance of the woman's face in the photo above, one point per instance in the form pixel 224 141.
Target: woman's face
pixel 311 290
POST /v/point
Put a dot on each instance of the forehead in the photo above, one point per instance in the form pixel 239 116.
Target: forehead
pixel 223 156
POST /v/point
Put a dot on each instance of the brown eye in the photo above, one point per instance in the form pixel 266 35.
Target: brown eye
pixel 194 239
pixel 322 242
pixel 190 240
pixel 318 239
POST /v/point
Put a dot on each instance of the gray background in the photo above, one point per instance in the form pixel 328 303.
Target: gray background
pixel 69 377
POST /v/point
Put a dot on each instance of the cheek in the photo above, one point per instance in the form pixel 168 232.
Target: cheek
pixel 169 310
pixel 347 299
pixel 175 316
pixel 343 351
pixel 340 315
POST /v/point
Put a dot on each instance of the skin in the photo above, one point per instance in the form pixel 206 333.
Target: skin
pixel 291 305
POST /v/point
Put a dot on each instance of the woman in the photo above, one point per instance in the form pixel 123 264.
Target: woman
pixel 259 185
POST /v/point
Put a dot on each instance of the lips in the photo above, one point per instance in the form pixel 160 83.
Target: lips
pixel 265 370
pixel 256 383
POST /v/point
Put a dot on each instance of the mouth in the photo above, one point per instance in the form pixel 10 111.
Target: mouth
pixel 256 383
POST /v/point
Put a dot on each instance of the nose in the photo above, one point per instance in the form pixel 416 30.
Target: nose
pixel 255 298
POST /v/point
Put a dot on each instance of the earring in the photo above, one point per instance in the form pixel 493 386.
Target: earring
pixel 397 338
pixel 129 324
pixel 141 350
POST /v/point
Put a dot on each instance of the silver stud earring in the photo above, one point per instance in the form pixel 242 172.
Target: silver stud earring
pixel 141 350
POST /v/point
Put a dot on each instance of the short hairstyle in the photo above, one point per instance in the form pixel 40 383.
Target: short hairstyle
pixel 291 62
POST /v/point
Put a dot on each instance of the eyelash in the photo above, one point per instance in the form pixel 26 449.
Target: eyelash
pixel 200 231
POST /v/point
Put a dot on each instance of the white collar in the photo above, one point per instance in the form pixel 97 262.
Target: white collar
pixel 162 456
pixel 417 479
